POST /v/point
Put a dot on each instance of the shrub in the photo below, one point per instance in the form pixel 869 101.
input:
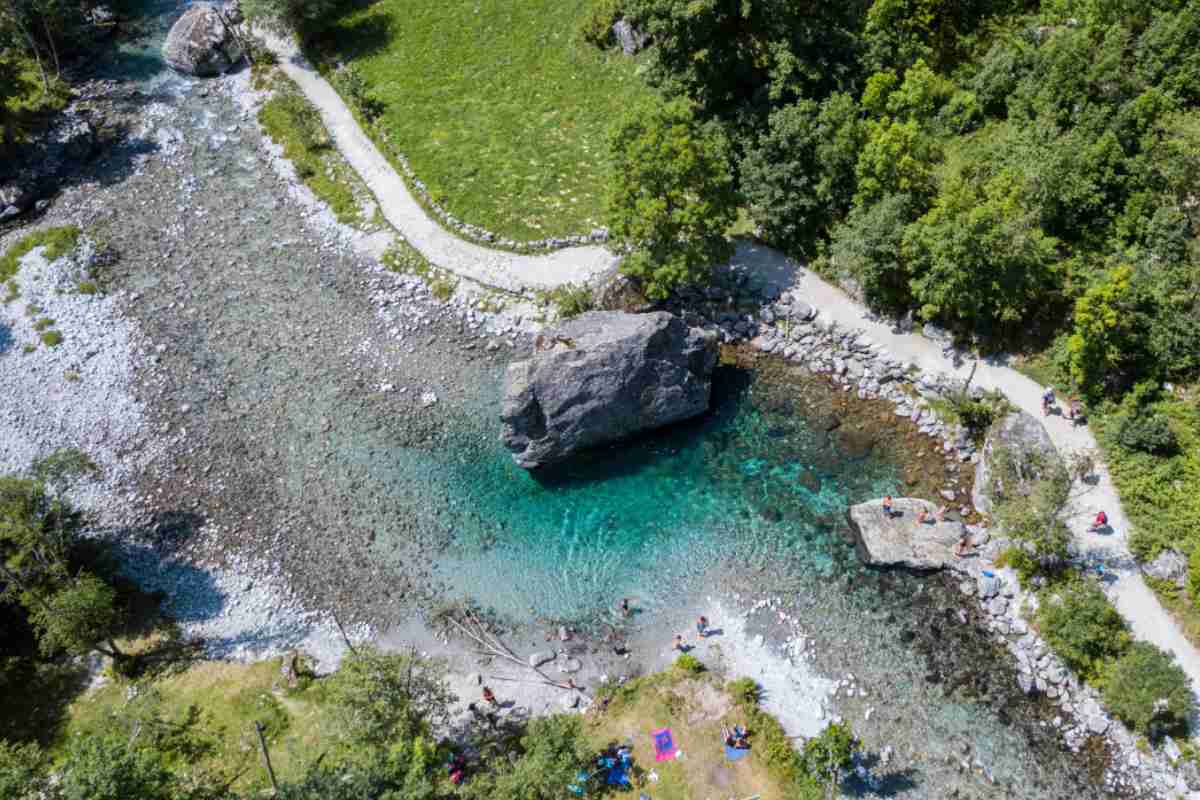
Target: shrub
pixel 596 26
pixel 1082 627
pixel 88 287
pixel 1147 433
pixel 745 691
pixel 1149 691
pixel 51 338
pixel 571 300
pixel 689 664
pixel 351 85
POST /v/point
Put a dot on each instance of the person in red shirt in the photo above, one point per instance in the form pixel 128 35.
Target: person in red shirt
pixel 1101 521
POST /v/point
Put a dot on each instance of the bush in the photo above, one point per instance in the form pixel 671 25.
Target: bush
pixel 571 300
pixel 689 664
pixel 51 338
pixel 596 26
pixel 1148 691
pixel 1082 627
pixel 745 691
pixel 1147 433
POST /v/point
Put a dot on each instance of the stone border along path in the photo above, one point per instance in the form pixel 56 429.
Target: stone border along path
pixel 517 273
pixel 1130 594
pixel 509 272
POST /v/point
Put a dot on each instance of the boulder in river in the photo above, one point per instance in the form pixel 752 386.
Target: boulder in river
pixel 1016 452
pixel 899 540
pixel 202 41
pixel 603 376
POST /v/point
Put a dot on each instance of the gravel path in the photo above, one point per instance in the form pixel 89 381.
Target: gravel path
pixel 498 269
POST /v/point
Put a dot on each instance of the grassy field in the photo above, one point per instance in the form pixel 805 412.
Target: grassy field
pixel 500 108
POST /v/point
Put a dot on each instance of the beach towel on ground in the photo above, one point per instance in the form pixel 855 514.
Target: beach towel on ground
pixel 664 745
pixel 735 753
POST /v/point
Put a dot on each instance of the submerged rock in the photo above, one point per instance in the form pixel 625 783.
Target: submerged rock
pixel 202 43
pixel 603 376
pixel 899 540
pixel 1021 439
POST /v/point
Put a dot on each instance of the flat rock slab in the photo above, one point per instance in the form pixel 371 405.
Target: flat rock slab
pixel 899 540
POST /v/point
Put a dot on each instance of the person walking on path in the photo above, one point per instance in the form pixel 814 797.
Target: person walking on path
pixel 489 696
pixel 1099 523
pixel 887 506
pixel 702 627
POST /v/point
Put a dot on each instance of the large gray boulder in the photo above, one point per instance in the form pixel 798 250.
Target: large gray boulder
pixel 899 540
pixel 1021 442
pixel 201 42
pixel 603 376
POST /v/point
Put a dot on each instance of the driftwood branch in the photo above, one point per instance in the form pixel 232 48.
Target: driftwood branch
pixel 493 645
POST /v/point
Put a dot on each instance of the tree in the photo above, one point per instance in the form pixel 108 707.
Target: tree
pixel 553 751
pixel 670 196
pixel 744 58
pixel 1082 627
pixel 799 175
pixel 866 248
pixel 379 698
pixel 1149 691
pixel 1107 335
pixel 828 753
pixel 404 771
pixel 304 17
pixel 22 772
pixel 80 617
pixel 979 259
pixel 102 767
pixel 897 158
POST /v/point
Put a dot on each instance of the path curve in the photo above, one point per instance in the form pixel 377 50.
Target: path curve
pixel 510 272
pixel 1129 593
pixel 516 273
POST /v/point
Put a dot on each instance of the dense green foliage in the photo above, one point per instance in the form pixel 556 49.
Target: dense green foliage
pixel 385 697
pixel 1148 690
pixel 1017 171
pixel 1082 627
pixel 670 196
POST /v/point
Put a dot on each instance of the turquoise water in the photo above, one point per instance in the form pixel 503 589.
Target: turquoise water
pixel 751 484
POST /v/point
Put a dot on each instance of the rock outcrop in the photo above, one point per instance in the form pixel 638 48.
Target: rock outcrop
pixel 603 376
pixel 632 40
pixel 201 42
pixel 1022 439
pixel 899 540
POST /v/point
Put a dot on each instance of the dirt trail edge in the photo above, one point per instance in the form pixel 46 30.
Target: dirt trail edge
pixel 509 272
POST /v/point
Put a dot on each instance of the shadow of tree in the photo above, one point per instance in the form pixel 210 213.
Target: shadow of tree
pixel 6 338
